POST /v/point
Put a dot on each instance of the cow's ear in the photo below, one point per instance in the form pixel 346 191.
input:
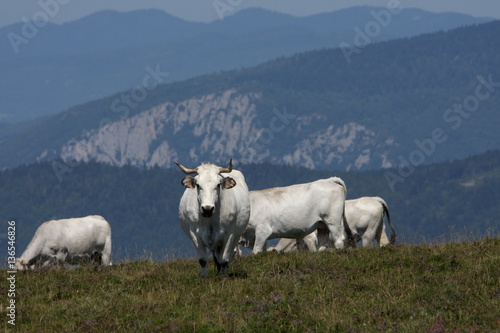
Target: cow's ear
pixel 228 183
pixel 189 182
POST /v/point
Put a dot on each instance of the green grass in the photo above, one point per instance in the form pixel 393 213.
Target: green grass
pixel 454 287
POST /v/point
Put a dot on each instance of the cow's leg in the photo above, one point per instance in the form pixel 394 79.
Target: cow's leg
pixel 368 239
pixel 226 253
pixel 201 252
pixel 106 252
pixel 222 266
pixel 373 231
pixel 203 264
pixel 217 260
pixel 96 258
pixel 46 261
pixel 261 236
pixel 337 224
pixel 202 258
pixel 237 252
pixel 337 233
pixel 36 262
pixel 60 257
pixel 381 235
pixel 311 242
pixel 323 238
pixel 368 234
pixel 285 244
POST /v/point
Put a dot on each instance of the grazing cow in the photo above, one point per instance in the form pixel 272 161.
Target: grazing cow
pixel 297 210
pixel 214 212
pixel 69 241
pixel 365 217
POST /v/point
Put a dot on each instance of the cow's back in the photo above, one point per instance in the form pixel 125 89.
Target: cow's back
pixel 286 208
pixel 77 235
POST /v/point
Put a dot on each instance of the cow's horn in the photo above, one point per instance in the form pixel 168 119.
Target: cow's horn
pixel 186 170
pixel 228 169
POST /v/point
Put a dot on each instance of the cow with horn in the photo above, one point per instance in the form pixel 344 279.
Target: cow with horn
pixel 214 212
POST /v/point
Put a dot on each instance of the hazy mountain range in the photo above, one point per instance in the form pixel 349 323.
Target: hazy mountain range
pixel 47 68
pixel 399 103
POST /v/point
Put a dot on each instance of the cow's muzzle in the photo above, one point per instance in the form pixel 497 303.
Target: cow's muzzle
pixel 207 210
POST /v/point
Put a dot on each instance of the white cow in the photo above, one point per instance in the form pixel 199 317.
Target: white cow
pixel 69 241
pixel 214 212
pixel 297 210
pixel 365 217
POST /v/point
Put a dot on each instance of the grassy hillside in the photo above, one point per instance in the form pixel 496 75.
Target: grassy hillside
pixel 439 288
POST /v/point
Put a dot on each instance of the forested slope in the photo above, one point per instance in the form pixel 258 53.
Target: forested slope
pixel 142 206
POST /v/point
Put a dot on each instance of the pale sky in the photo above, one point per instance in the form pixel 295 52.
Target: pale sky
pixel 60 11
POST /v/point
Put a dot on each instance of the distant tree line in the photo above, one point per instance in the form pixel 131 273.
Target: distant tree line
pixel 142 205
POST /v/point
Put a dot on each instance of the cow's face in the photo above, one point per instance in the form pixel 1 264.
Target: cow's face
pixel 209 183
pixel 20 265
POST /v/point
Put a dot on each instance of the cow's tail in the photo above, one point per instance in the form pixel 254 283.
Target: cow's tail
pixel 386 211
pixel 347 229
pixel 350 236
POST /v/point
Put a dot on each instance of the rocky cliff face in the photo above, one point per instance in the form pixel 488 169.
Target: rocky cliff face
pixel 216 127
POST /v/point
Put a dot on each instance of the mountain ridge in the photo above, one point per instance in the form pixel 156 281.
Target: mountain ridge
pixel 62 66
pixel 337 117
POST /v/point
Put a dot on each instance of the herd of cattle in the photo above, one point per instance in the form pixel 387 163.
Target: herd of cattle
pixel 218 213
